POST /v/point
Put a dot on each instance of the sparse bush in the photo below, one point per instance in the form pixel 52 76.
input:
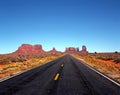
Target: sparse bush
pixel 18 59
pixel 95 52
pixel 5 61
pixel 117 61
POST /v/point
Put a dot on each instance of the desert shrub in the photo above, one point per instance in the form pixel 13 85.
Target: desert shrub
pixel 4 61
pixel 117 60
pixel 17 59
pixel 116 52
pixel 95 52
pixel 105 58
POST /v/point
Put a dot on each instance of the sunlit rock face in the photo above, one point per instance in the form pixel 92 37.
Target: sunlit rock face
pixel 33 49
pixel 29 49
pixel 76 50
pixel 53 51
pixel 84 50
pixel 71 50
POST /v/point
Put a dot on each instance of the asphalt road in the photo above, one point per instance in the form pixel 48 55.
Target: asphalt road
pixel 64 76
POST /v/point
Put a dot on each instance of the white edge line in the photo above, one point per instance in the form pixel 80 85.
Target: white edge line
pixel 99 72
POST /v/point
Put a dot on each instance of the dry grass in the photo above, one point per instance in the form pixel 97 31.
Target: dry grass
pixel 13 64
pixel 107 63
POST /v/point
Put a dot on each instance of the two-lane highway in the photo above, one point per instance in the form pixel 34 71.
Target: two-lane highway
pixel 64 76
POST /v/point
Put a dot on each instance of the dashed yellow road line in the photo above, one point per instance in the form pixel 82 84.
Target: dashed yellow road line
pixel 57 76
pixel 62 65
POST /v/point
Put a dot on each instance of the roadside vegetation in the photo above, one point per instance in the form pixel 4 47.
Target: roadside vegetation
pixel 14 63
pixel 107 63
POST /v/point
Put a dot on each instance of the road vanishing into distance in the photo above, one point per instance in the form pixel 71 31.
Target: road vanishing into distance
pixel 64 76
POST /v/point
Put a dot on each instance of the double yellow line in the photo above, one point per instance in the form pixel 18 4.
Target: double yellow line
pixel 57 75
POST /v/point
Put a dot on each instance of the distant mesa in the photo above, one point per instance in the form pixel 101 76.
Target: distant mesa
pixel 29 49
pixel 84 50
pixel 34 49
pixel 53 51
pixel 71 50
pixel 76 50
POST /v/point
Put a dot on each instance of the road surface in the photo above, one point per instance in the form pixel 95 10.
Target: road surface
pixel 64 76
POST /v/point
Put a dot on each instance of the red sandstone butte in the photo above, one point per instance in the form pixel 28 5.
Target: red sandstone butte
pixel 53 51
pixel 71 49
pixel 84 50
pixel 76 50
pixel 29 49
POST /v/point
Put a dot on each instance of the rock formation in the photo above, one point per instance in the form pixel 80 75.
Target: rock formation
pixel 76 50
pixel 53 51
pixel 84 50
pixel 29 49
pixel 71 50
pixel 33 49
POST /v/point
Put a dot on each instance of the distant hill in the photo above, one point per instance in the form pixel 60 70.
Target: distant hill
pixel 33 49
pixel 76 50
pixel 53 51
pixel 29 49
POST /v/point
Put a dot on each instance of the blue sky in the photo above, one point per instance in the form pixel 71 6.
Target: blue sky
pixel 60 24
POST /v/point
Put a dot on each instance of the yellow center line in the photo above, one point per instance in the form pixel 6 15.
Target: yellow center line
pixel 62 65
pixel 57 76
